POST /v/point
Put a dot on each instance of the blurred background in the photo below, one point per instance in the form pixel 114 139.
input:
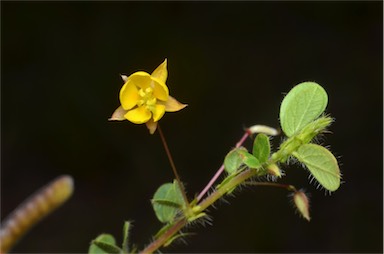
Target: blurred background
pixel 232 63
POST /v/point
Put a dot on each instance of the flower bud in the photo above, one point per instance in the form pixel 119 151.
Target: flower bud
pixel 263 129
pixel 274 170
pixel 301 202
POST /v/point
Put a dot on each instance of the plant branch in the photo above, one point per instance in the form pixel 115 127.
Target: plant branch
pixel 218 193
pixel 165 237
pixel 214 196
pixel 220 170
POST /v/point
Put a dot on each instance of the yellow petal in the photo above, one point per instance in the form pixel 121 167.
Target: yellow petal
pixel 158 112
pixel 139 115
pixel 160 89
pixel 152 126
pixel 172 105
pixel 140 79
pixel 129 95
pixel 161 72
pixel 118 115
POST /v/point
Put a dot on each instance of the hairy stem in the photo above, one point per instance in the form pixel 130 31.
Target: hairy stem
pixel 218 193
pixel 215 195
pixel 32 210
pixel 165 236
pixel 220 170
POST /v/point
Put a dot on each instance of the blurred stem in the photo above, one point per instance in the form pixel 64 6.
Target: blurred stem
pixel 173 166
pixel 32 210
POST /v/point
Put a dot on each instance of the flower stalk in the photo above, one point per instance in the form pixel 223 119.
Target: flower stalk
pixel 173 166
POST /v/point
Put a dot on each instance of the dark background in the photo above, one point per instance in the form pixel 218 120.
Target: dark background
pixel 232 63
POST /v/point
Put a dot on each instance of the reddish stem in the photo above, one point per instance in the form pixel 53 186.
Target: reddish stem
pixel 221 169
pixel 173 165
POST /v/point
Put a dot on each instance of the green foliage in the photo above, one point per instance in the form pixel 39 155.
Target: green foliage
pixel 299 114
pixel 104 244
pixel 167 202
pixel 249 160
pixel 321 163
pixel 233 160
pixel 303 104
pixel 238 157
pixel 261 148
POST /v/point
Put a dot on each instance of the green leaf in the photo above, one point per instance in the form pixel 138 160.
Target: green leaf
pixel 249 160
pixel 303 104
pixel 261 148
pixel 107 248
pixel 167 202
pixel 233 160
pixel 125 245
pixel 104 244
pixel 321 163
pixel 173 238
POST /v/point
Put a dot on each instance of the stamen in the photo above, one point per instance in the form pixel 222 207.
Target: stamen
pixel 147 99
pixel 151 101
pixel 141 93
pixel 149 90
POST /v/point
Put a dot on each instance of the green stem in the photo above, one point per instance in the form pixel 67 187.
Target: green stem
pixel 218 193
pixel 165 236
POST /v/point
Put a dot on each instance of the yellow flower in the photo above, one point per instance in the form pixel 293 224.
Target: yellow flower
pixel 145 98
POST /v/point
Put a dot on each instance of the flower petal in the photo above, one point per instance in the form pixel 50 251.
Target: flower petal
pixel 129 95
pixel 172 105
pixel 138 115
pixel 152 126
pixel 124 77
pixel 161 72
pixel 158 112
pixel 160 89
pixel 118 115
pixel 140 79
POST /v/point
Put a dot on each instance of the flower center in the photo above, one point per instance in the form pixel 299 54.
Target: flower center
pixel 147 98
